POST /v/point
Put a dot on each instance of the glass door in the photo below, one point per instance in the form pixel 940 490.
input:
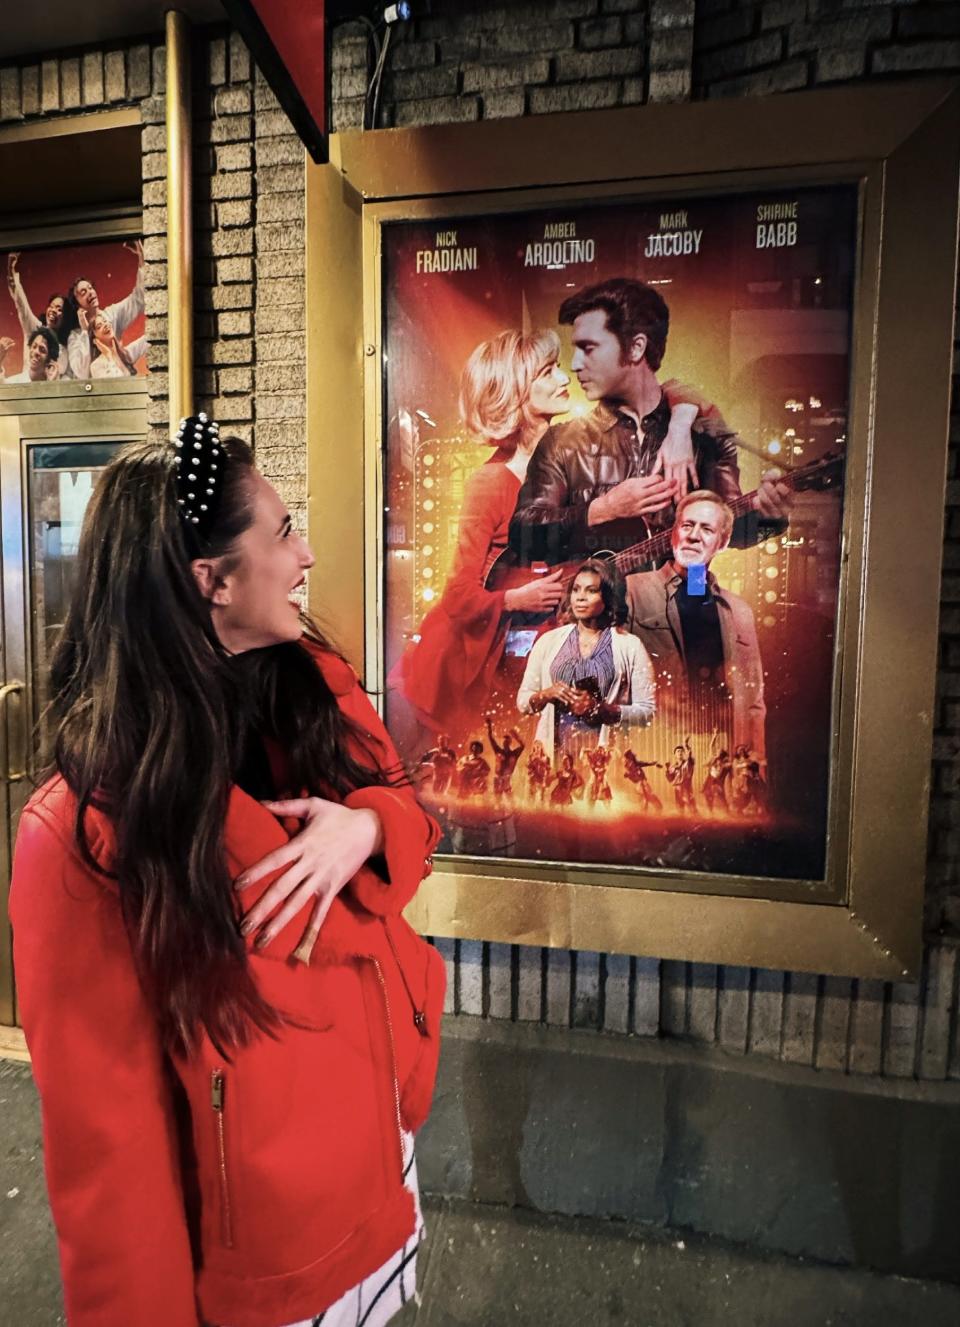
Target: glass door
pixel 49 466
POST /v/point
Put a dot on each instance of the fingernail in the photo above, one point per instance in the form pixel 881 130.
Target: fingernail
pixel 246 928
pixel 262 939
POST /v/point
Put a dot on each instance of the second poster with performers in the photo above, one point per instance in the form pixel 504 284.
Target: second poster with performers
pixel 613 519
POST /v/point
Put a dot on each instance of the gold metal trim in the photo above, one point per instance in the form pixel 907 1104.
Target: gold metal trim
pixel 335 386
pixel 179 218
pixel 8 775
pixel 13 1045
pixel 13 665
pixel 62 126
pixel 44 230
pixel 829 126
pixel 899 141
pixel 68 394
pixel 45 225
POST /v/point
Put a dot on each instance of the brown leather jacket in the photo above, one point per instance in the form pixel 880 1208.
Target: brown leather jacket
pixel 584 458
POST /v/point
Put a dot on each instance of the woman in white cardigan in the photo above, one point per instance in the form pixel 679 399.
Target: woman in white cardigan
pixel 589 675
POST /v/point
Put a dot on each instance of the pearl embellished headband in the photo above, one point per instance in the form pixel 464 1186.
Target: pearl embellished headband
pixel 200 461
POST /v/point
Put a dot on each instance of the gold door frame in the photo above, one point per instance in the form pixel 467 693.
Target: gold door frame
pixel 900 142
pixel 22 155
pixel 62 412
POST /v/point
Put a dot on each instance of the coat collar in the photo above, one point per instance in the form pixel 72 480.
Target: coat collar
pixel 606 416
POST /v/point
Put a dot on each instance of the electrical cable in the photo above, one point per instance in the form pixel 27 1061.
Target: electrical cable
pixel 378 77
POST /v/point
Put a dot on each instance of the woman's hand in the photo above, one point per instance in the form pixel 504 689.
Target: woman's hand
pixel 537 596
pixel 557 692
pixel 582 704
pixel 330 849
pixel 83 322
pixel 675 457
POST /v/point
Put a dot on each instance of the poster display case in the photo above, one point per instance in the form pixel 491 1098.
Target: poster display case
pixel 652 488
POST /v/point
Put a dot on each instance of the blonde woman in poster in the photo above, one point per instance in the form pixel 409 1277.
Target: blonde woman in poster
pixel 590 674
pixel 512 386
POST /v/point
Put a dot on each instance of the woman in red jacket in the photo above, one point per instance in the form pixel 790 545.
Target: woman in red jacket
pixel 233 1031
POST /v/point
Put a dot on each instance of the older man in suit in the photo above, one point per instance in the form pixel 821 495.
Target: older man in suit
pixel 701 638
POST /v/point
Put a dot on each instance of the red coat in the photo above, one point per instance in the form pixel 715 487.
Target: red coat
pixel 254 1192
pixel 448 674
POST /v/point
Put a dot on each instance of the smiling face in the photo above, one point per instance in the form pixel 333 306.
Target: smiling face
pixel 700 532
pixel 254 602
pixel 598 359
pixel 39 355
pixel 53 316
pixel 548 392
pixel 84 292
pixel 102 330
pixel 586 597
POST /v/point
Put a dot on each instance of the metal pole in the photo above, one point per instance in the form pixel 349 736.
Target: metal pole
pixel 179 219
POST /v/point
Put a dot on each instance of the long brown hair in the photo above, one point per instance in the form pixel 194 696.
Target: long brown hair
pixel 149 718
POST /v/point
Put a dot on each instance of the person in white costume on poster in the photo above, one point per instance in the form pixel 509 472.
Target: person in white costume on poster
pixel 85 301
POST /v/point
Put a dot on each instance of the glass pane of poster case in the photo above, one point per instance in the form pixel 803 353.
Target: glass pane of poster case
pixel 614 515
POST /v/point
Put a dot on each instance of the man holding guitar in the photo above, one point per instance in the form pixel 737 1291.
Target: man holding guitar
pixel 600 482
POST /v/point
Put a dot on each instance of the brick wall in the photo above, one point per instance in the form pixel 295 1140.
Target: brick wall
pixel 751 49
pixel 482 62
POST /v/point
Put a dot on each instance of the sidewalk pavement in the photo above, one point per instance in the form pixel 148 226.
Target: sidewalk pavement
pixel 484 1266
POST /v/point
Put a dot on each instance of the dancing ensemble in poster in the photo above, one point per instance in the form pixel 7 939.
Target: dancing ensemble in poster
pixel 613 483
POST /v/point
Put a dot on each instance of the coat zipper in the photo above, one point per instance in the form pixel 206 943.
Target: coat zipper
pixel 393 1057
pixel 217 1095
pixel 419 1016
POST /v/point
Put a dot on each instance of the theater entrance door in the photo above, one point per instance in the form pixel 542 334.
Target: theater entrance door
pixel 52 447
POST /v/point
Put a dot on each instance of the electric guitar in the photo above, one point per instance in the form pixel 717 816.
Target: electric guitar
pixel 511 570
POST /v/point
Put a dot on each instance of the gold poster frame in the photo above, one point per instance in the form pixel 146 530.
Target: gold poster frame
pixel 900 143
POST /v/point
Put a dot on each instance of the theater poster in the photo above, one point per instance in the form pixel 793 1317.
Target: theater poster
pixel 658 387
pixel 72 313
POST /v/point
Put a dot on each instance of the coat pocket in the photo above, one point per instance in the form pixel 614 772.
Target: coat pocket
pixel 296 1136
